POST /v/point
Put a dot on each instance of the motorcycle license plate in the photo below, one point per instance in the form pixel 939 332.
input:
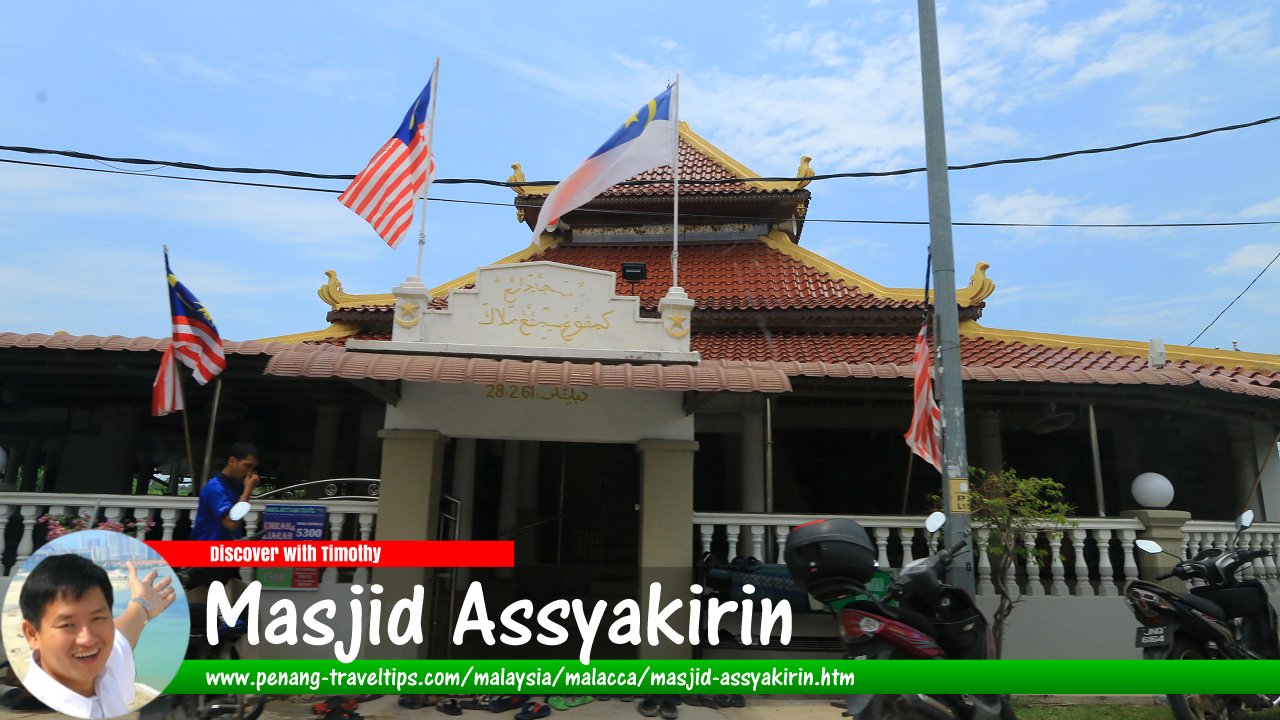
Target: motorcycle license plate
pixel 1152 637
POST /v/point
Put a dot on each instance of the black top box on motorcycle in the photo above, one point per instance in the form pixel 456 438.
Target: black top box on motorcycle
pixel 831 558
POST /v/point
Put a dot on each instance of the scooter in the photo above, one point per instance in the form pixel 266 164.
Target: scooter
pixel 1225 619
pixel 920 618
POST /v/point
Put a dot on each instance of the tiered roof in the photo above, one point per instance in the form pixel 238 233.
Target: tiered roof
pixel 767 302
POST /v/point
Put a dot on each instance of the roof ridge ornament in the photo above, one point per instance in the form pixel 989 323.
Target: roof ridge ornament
pixel 332 292
pixel 804 171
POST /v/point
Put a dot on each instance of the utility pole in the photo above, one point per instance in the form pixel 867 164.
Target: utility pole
pixel 955 461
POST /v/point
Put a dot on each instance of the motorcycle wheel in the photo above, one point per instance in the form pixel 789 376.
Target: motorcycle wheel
pixel 1006 709
pixel 1196 707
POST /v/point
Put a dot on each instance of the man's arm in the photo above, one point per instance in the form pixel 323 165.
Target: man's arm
pixel 250 483
pixel 148 598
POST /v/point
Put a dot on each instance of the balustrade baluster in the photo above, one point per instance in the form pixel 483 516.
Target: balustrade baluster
pixel 28 514
pixel 250 527
pixel 757 542
pixel 1084 586
pixel 1130 562
pixel 984 563
pixel 1057 571
pixel 907 536
pixel 1034 586
pixel 882 546
pixel 361 576
pixel 336 521
pixel 1106 573
pixel 732 532
pixel 168 522
pixel 780 533
pixel 705 532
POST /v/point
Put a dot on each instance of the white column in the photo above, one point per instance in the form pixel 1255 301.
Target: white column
pixel 366 532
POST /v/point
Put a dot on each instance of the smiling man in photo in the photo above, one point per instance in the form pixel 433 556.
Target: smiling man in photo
pixel 81 657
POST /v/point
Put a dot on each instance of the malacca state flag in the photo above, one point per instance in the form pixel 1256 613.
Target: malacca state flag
pixel 645 141
pixel 196 343
pixel 383 193
pixel 166 396
pixel 924 437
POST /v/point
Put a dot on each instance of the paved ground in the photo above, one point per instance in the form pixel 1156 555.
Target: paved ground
pixel 758 708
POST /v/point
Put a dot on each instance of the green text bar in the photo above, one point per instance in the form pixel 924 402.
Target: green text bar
pixel 821 677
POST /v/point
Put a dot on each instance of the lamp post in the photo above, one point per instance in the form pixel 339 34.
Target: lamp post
pixel 955 461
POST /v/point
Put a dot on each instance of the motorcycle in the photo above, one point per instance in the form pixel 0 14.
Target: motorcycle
pixel 920 617
pixel 207 707
pixel 1227 618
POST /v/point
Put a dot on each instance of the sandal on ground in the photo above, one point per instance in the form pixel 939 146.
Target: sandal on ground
pixel 574 701
pixel 667 709
pixel 449 707
pixel 533 711
pixel 558 702
pixel 504 703
pixel 649 708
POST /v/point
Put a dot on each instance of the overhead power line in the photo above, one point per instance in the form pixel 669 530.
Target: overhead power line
pixel 722 218
pixel 526 183
pixel 1233 302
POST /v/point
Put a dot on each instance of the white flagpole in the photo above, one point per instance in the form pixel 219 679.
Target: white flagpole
pixel 431 129
pixel 675 184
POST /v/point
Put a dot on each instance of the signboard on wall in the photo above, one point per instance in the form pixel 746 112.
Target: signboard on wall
pixel 292 522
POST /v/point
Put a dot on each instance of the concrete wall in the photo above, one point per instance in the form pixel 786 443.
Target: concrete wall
pixel 526 412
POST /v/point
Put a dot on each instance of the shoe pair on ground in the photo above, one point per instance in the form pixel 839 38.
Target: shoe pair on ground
pixel 717 701
pixel 659 705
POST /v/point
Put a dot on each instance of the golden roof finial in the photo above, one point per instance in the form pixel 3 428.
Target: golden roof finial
pixel 980 286
pixel 804 171
pixel 332 292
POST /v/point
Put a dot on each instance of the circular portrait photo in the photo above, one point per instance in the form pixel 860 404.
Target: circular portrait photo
pixel 95 624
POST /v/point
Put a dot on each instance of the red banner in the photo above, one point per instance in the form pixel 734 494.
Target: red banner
pixel 346 553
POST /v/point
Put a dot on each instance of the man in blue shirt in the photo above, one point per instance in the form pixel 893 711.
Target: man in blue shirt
pixel 234 483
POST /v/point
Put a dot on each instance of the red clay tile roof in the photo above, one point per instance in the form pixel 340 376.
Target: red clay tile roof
pixel 728 276
pixel 983 359
pixel 736 276
pixel 693 166
pixel 62 341
pixel 317 361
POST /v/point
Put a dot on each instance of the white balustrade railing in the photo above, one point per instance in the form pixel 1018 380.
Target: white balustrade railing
pixel 21 513
pixel 1200 535
pixel 1094 557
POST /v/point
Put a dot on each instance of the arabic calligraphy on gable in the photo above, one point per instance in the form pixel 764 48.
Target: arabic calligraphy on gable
pixel 545 305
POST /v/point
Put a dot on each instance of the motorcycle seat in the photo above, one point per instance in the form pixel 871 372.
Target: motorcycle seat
pixel 1207 607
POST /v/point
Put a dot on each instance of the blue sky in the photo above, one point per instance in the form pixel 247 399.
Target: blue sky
pixel 321 87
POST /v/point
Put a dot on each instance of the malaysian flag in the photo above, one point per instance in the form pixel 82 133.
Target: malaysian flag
pixel 384 191
pixel 924 437
pixel 195 339
pixel 166 394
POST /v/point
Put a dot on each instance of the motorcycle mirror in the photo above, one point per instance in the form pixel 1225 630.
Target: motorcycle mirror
pixel 1149 546
pixel 1244 521
pixel 935 521
pixel 238 511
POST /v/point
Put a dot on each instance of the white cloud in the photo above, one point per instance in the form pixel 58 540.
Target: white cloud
pixel 1029 206
pixel 665 44
pixel 1266 208
pixel 182 66
pixel 1247 260
pixel 816 3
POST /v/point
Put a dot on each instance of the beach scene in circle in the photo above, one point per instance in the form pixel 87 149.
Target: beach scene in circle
pixel 163 644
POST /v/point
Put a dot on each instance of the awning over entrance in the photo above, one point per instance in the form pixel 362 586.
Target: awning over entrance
pixel 318 361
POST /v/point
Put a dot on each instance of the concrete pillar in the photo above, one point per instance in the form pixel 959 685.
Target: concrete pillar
pixel 990 444
pixel 1244 468
pixel 325 445
pixel 666 532
pixel 527 491
pixel 408 509
pixel 464 489
pixel 1165 527
pixel 753 461
pixel 1264 440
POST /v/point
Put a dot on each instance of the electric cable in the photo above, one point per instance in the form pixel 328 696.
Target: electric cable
pixel 1233 302
pixel 722 218
pixel 527 183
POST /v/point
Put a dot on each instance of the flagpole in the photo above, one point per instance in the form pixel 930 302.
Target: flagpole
pixel 675 185
pixel 431 130
pixel 186 433
pixel 213 423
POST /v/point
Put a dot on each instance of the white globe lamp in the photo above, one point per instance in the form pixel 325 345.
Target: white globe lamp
pixel 1152 490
